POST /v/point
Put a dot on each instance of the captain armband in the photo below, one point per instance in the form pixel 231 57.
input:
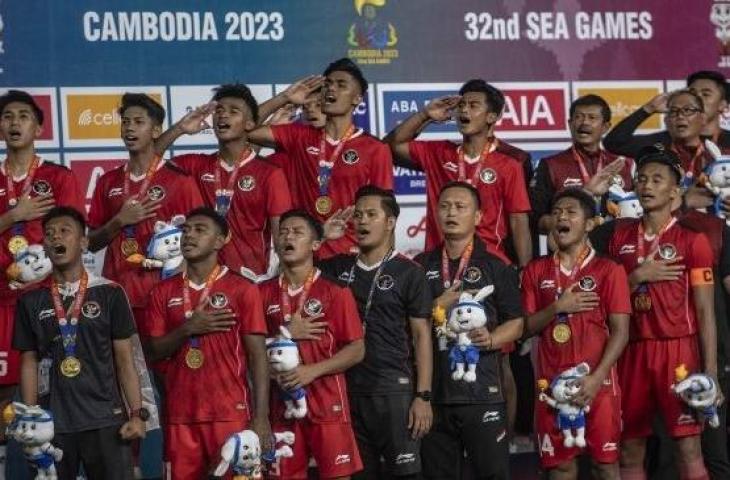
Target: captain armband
pixel 701 276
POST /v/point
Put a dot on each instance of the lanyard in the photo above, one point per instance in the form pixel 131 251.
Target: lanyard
pixel 640 247
pixel 286 301
pixel 463 262
pixel 690 172
pixel 351 278
pixel 482 157
pixel 224 196
pixel 187 304
pixel 130 230
pixel 325 166
pixel 579 159
pixel 25 189
pixel 562 317
pixel 69 326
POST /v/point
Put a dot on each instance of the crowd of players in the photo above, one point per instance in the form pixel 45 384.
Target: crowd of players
pixel 304 239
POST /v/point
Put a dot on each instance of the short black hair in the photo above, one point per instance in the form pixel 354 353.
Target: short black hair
pixel 311 221
pixel 348 66
pixel 144 101
pixel 586 201
pixel 467 186
pixel 713 76
pixel 592 100
pixel 22 97
pixel 387 198
pixel 65 211
pixel 687 91
pixel 494 96
pixel 238 90
pixel 658 153
pixel 209 212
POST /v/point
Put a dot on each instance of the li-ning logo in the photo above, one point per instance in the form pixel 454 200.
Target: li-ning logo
pixel 342 459
pixel 626 249
pixel 403 458
pixel 490 417
pixel 545 284
pixel 272 309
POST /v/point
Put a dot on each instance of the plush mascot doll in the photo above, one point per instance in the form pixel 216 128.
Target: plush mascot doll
pixel 699 391
pixel 163 250
pixel 242 453
pixel 283 356
pixel 622 204
pixel 716 178
pixel 570 416
pixel 31 265
pixel 32 427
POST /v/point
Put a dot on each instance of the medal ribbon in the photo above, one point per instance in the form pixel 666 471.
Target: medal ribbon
pixel 324 172
pixel 690 172
pixel 563 317
pixel 130 230
pixel 224 196
pixel 582 167
pixel 187 304
pixel 18 228
pixel 286 301
pixel 351 278
pixel 463 262
pixel 69 326
pixel 482 157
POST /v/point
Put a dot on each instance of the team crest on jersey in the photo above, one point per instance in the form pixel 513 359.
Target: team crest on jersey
pixel 472 275
pixel 247 183
pixel 41 187
pixel 350 157
pixel 385 282
pixel 668 251
pixel 488 176
pixel 156 193
pixel 218 300
pixel 587 283
pixel 91 309
pixel 312 307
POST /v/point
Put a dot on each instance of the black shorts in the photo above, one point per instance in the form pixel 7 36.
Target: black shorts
pixel 381 429
pixel 102 452
pixel 478 430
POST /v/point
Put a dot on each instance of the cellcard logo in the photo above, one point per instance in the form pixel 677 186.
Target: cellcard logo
pixel 624 98
pixel 86 117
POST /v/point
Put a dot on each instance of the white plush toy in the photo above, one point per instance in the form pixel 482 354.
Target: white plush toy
pixel 32 427
pixel 466 315
pixel 242 453
pixel 163 249
pixel 570 416
pixel 31 265
pixel 283 356
pixel 623 204
pixel 699 391
pixel 716 178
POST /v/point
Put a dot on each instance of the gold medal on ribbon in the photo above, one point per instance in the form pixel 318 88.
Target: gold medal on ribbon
pixel 129 247
pixel 642 302
pixel 70 367
pixel 194 358
pixel 17 244
pixel 323 205
pixel 562 333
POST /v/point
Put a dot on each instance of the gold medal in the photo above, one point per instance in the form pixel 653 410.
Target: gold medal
pixel 562 333
pixel 129 247
pixel 194 358
pixel 323 205
pixel 17 244
pixel 642 302
pixel 70 367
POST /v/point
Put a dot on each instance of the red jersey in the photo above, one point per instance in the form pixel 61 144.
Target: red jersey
pixel 218 390
pixel 672 312
pixel 327 396
pixel 501 184
pixel 179 194
pixel 565 171
pixel 589 329
pixel 363 160
pixel 49 178
pixel 260 193
pixel 278 159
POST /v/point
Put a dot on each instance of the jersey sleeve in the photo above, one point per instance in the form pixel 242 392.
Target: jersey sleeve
pixel 288 137
pixel 155 316
pixel 420 152
pixel 191 198
pixel 529 290
pixel 72 196
pixel 186 162
pixel 616 292
pixel 507 293
pixel 344 319
pixel 516 199
pixel 251 309
pixel 121 314
pixel 278 197
pixel 700 253
pixel 381 167
pixel 418 295
pixel 24 339
pixel 99 212
pixel 601 237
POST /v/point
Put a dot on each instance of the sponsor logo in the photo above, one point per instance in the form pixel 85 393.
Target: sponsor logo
pixel 403 458
pixel 156 193
pixel 404 381
pixel 47 313
pixel 350 157
pixel 624 98
pixel 207 177
pixel 668 251
pixel 587 283
pixel 342 459
pixel 451 166
pixel 488 176
pixel 218 300
pixel 545 284
pixel 94 116
pixel 720 18
pixel 372 39
pixel 685 419
pixel 175 301
pixel 240 406
pixel 2 192
pixel 345 277
pixel 432 274
pixel 313 307
pixel 42 187
pixel 472 274
pixel 272 309
pixel 246 183
pixel 91 309
pixel 115 192
pixel 609 447
pixel 626 249
pixel 489 417
pixel 572 182
pixel 385 282
pixel 313 150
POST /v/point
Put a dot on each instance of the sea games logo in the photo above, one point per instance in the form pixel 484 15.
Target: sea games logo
pixel 372 39
pixel 720 18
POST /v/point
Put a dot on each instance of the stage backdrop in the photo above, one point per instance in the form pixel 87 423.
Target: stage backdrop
pixel 78 57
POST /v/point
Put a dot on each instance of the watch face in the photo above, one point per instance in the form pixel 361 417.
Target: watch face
pixel 144 414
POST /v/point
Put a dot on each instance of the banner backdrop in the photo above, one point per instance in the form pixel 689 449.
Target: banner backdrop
pixel 78 57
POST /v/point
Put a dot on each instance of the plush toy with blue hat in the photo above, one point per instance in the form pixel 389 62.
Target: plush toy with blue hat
pixel 283 355
pixel 571 416
pixel 163 249
pixel 716 178
pixel 31 265
pixel 623 204
pixel 699 391
pixel 242 453
pixel 32 427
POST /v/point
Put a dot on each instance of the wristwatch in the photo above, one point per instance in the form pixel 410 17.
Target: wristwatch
pixel 142 413
pixel 424 395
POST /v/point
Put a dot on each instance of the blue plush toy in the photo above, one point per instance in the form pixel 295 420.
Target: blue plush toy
pixel 283 356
